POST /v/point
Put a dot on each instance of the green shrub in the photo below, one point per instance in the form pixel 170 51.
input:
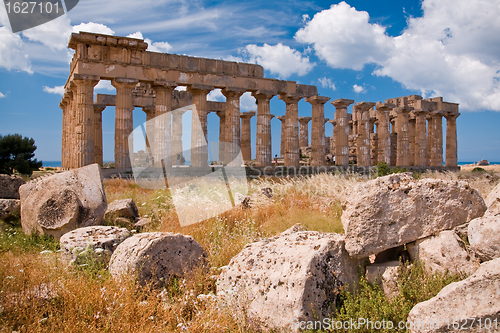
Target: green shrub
pixel 478 169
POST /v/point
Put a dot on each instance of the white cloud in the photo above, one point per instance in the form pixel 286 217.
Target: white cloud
pixel 327 83
pixel 358 89
pixel 181 88
pixel 453 50
pixel 247 102
pixel 216 96
pixel 12 55
pixel 58 90
pixel 279 59
pixel 104 85
pixel 344 38
pixel 97 28
pixel 161 47
pixel 55 34
pixel 2 95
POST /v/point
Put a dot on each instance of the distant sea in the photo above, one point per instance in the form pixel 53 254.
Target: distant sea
pixel 55 164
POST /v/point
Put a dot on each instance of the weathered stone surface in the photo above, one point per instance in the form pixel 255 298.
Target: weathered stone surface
pixel 493 202
pixel 444 252
pixel 9 186
pixel 142 223
pixel 125 208
pixel 295 275
pixel 9 207
pixel 63 202
pixel 386 275
pixel 483 163
pixel 97 242
pixel 156 257
pixel 476 297
pixel 484 237
pixel 394 210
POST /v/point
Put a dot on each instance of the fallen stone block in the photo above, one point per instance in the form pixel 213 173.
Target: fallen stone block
pixel 9 186
pixel 125 208
pixel 57 204
pixel 9 208
pixel 395 210
pixel 473 303
pixel 294 276
pixel 157 257
pixel 484 237
pixel 493 202
pixel 444 252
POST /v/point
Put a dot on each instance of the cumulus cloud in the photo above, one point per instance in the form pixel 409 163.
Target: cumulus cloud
pixel 162 47
pixel 12 53
pixel 55 34
pixel 2 95
pixel 358 89
pixel 216 96
pixel 104 85
pixel 327 83
pixel 247 102
pixel 58 90
pixel 97 28
pixel 279 59
pixel 452 50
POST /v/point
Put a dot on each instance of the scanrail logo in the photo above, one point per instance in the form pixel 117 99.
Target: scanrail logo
pixel 28 14
pixel 205 179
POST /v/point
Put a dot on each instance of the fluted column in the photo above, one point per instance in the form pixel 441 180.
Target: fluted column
pixel 199 145
pixel 150 127
pixel 304 131
pixel 282 134
pixel 222 131
pixel 232 135
pixel 246 135
pixel 412 134
pixel 420 137
pixel 451 140
pixel 72 126
pixel 430 127
pixel 65 129
pixel 124 122
pixel 403 138
pixel 177 149
pixel 85 119
pixel 263 142
pixel 341 131
pixel 98 109
pixel 363 130
pixel 292 147
pixel 162 150
pixel 437 138
pixel 383 133
pixel 318 129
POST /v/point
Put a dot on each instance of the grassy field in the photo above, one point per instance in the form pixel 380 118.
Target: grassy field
pixel 41 293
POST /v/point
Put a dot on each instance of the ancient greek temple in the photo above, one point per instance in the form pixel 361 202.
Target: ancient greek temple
pixel 405 131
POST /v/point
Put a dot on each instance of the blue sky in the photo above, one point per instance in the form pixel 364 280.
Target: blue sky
pixel 361 50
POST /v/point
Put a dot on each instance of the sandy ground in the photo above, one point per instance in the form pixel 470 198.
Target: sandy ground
pixel 493 167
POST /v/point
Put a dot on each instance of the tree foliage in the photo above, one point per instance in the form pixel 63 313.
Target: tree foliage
pixel 17 154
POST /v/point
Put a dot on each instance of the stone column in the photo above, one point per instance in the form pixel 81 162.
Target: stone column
pixel 412 134
pixel 430 126
pixel 150 127
pixel 342 131
pixel 332 139
pixel 282 134
pixel 420 137
pixel 124 123
pixel 85 119
pixel 65 131
pixel 232 133
pixel 451 140
pixel 199 145
pixel 263 142
pixel 246 135
pixel 162 150
pixel 292 147
pixel 98 108
pixel 222 129
pixel 383 134
pixel 318 129
pixel 363 130
pixel 304 131
pixel 403 137
pixel 437 138
pixel 72 126
pixel 177 149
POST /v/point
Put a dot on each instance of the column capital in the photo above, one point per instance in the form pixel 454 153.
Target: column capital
pixel 201 88
pixel 452 115
pixel 63 104
pixel 264 94
pixel 126 83
pixel 280 118
pixel 149 109
pixel 384 106
pixel 364 106
pixel 290 98
pixel 233 92
pixel 436 113
pixel 333 122
pixel 82 79
pixel 317 100
pixel 420 112
pixel 403 109
pixel 327 120
pixel 98 108
pixel 164 84
pixel 342 103
pixel 247 115
pixel 305 119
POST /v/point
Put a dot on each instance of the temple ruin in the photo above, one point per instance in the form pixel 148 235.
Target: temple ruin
pixel 404 132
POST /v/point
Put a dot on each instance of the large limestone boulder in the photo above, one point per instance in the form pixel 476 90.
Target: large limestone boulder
pixel 444 252
pixel 484 237
pixel 397 209
pixel 290 277
pixel 477 297
pixel 9 207
pixel 385 274
pixel 157 257
pixel 96 242
pixel 125 208
pixel 57 204
pixel 9 186
pixel 493 202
